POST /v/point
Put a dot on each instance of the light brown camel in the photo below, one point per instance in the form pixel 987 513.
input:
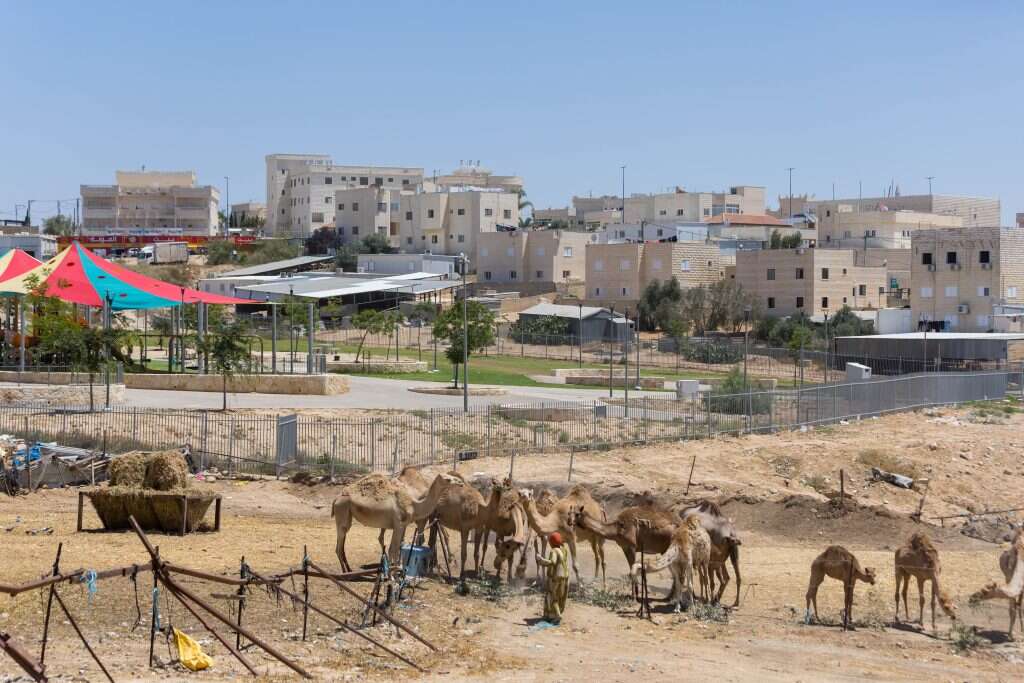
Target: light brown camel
pixel 383 503
pixel 838 563
pixel 689 551
pixel 568 507
pixel 919 558
pixel 640 527
pixel 462 508
pixel 558 520
pixel 546 501
pixel 1011 562
pixel 725 545
pixel 503 515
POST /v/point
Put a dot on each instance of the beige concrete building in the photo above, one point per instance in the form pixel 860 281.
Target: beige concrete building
pixel 301 187
pixel 532 256
pixel 470 175
pixel 668 207
pixel 842 226
pixel 810 281
pixel 143 202
pixel 973 211
pixel 960 276
pixel 443 222
pixel 248 211
pixel 618 273
pixel 1020 220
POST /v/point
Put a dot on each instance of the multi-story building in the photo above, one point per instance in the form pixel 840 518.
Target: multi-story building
pixel 470 175
pixel 810 281
pixel 842 226
pixel 532 256
pixel 960 276
pixel 666 207
pixel 301 187
pixel 248 212
pixel 147 202
pixel 973 211
pixel 1020 220
pixel 618 273
pixel 443 222
pixel 564 218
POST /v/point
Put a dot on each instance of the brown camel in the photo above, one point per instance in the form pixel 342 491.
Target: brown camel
pixel 558 520
pixel 919 558
pixel 689 551
pixel 838 563
pixel 640 527
pixel 1011 562
pixel 546 501
pixel 503 515
pixel 381 502
pixel 725 543
pixel 462 508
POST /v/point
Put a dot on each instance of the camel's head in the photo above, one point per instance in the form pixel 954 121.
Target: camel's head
pixel 526 494
pixel 947 605
pixel 869 575
pixel 730 532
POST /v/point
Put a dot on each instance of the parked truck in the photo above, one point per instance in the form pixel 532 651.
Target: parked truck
pixel 165 252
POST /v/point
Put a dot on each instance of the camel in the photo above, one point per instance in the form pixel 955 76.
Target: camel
pixel 462 508
pixel 1011 562
pixel 839 563
pixel 578 498
pixel 725 545
pixel 381 502
pixel 690 550
pixel 546 501
pixel 503 515
pixel 919 558
pixel 640 527
pixel 561 520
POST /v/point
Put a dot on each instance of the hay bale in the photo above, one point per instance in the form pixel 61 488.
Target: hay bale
pixel 129 469
pixel 167 471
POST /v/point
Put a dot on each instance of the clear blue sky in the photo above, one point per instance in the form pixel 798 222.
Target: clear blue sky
pixel 702 95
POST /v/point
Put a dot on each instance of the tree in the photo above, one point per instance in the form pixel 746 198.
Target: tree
pixel 347 255
pixel 59 225
pixel 370 321
pixel 321 241
pixel 479 331
pixel 528 330
pixel 376 243
pixel 219 252
pixel 656 301
pixel 780 241
pixel 524 203
pixel 729 302
pixel 226 352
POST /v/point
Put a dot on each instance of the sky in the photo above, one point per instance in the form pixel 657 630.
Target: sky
pixel 697 95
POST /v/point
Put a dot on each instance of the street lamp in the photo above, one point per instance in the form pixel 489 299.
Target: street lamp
pixel 615 333
pixel 227 200
pixel 625 370
pixel 746 352
pixel 826 348
pixel 465 336
pixel 579 332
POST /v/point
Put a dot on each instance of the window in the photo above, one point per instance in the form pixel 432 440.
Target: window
pixel 328 180
pixel 462 212
pixel 598 264
pixel 382 207
pixel 862 290
pixel 662 212
pixel 983 291
pixel 512 275
pixel 405 181
pixel 430 213
pixel 540 274
pixel 1011 292
pixel 844 299
pixel 625 264
pixel 391 180
pixel 707 212
pixel 625 291
pixel 433 239
pixel 327 200
pixel 799 302
pixel 363 180
pixel 952 292
pixel 487 275
pixel 984 257
pixel 488 212
pixel 660 232
pixel 680 212
pixel 656 264
pixel 355 206
pixel 341 229
pixel 950 257
pixel 566 273
pixel 378 181
pixel 685 266
pixel 355 229
pixel 952 321
pixel 771 302
pixel 408 215
pixel 408 240
pixel 824 273
pixel 394 206
pixel 824 302
pixel 567 252
pixel 462 238
pixel 881 290
pixel 799 273
pixel 926 258
pixel 597 291
pixel 318 217
pixel 507 214
pixel 771 273
pixel 341 207
pixel 844 271
pixel 926 292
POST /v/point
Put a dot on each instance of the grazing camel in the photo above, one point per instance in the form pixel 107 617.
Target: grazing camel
pixel 839 563
pixel 503 515
pixel 919 558
pixel 561 520
pixel 380 502
pixel 690 550
pixel 1011 562
pixel 640 527
pixel 725 545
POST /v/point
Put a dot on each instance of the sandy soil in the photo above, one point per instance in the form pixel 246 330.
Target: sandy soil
pixel 772 485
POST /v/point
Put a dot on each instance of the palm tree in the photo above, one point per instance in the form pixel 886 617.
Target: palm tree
pixel 523 204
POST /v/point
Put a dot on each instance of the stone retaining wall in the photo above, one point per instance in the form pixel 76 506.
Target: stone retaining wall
pixel 594 377
pixel 60 394
pixel 313 385
pixel 375 367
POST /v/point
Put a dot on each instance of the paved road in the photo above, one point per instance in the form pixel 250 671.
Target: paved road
pixel 366 392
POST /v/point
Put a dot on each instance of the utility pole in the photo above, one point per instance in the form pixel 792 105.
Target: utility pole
pixel 227 200
pixel 579 332
pixel 610 354
pixel 465 336
pixel 790 169
pixel 623 216
pixel 930 179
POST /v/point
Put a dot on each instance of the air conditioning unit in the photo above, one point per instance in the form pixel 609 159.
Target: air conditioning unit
pixel 931 267
pixel 954 266
pixel 963 308
pixel 986 266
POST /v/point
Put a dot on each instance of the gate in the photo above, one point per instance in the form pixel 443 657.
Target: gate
pixel 287 452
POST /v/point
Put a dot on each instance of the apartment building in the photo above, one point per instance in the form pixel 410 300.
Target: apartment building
pixel 442 222
pixel 142 202
pixel 666 207
pixel 532 256
pixel 565 217
pixel 618 273
pixel 1020 220
pixel 960 276
pixel 301 187
pixel 470 175
pixel 973 211
pixel 248 212
pixel 810 281
pixel 842 226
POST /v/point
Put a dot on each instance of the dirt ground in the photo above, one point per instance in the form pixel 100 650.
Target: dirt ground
pixel 776 487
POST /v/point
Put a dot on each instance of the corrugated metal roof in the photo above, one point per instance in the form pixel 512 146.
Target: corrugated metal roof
pixel 564 311
pixel 273 266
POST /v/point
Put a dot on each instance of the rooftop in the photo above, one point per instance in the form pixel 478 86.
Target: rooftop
pixel 278 266
pixel 565 311
pixel 746 219
pixel 939 336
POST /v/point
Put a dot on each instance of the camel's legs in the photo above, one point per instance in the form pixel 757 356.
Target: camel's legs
pixel 1014 607
pixel 817 577
pixel 380 539
pixel 848 602
pixel 598 547
pixel 343 522
pixel 934 589
pixel 734 556
pixel 723 581
pixel 483 554
pixel 464 542
pixel 395 551
pixel 920 600
pixel 899 579
pixel 572 549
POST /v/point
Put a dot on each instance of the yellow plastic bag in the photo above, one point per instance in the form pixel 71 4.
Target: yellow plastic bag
pixel 190 654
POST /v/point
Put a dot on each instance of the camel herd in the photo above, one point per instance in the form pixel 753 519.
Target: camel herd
pixel 694 542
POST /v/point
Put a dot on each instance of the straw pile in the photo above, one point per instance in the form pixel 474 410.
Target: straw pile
pixel 166 471
pixel 128 469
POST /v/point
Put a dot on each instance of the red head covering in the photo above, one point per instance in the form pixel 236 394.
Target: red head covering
pixel 555 539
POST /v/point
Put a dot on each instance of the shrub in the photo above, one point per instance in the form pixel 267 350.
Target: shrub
pixel 731 397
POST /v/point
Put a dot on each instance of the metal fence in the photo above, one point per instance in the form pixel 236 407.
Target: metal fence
pixel 274 444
